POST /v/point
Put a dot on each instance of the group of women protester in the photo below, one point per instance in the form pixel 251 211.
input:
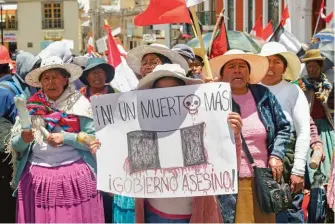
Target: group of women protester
pixel 281 123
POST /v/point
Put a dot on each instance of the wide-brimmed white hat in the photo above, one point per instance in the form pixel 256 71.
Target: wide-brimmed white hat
pixel 258 64
pixel 135 56
pixel 293 62
pixel 166 70
pixel 32 79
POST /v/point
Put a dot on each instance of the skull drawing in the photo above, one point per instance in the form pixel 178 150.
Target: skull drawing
pixel 192 103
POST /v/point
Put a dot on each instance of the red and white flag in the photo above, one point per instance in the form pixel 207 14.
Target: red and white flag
pixel 90 45
pixel 267 31
pixel 286 20
pixel 326 18
pixel 124 79
pixel 257 30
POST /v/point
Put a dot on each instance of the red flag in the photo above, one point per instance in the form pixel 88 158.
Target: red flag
pixel 322 8
pixel 220 44
pixel 164 12
pixel 329 17
pixel 268 31
pixel 285 19
pixel 90 45
pixel 258 28
pixel 114 56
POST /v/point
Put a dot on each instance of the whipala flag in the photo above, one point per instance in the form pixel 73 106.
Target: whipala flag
pixel 287 39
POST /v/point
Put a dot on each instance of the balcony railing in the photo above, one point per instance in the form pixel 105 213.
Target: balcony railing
pixel 207 18
pixel 52 24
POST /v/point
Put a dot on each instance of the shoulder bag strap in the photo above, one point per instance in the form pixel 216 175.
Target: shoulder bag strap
pixel 247 152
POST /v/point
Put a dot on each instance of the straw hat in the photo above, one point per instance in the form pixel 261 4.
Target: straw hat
pixel 258 64
pixel 166 70
pixel 32 79
pixel 293 63
pixel 135 56
pixel 312 55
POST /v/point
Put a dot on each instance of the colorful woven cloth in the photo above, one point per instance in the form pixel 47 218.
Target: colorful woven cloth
pixel 38 105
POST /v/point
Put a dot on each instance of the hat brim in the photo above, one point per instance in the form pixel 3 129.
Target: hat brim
pixel 303 60
pixel 135 55
pixel 110 72
pixel 148 81
pixel 259 65
pixel 32 79
pixel 293 65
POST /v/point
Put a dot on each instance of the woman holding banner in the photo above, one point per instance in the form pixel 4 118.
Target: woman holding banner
pixel 55 177
pixel 144 59
pixel 265 128
pixel 187 209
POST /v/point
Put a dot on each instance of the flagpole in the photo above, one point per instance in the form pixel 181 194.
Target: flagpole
pixel 201 41
pixel 317 23
pixel 215 30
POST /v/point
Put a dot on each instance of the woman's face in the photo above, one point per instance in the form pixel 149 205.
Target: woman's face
pixel 313 69
pixel 53 84
pixel 275 71
pixel 149 63
pixel 196 66
pixel 96 78
pixel 236 72
pixel 166 83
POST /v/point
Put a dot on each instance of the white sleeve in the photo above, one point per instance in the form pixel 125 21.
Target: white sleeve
pixel 301 122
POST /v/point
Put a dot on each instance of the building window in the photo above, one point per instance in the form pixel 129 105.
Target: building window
pixel 250 14
pixel 52 16
pixel 273 12
pixel 231 12
pixel 8 20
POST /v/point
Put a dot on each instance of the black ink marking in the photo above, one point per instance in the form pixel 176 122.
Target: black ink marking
pixel 162 107
pixel 193 145
pixel 143 151
pixel 192 103
pixel 108 114
pixel 171 106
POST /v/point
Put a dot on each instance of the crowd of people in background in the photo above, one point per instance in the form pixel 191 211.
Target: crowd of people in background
pixel 283 116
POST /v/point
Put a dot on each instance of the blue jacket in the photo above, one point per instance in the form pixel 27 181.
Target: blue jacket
pixel 273 119
pixel 24 149
pixel 7 105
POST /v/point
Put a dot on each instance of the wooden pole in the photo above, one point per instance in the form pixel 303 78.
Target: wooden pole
pixel 316 26
pixel 215 30
pixel 201 41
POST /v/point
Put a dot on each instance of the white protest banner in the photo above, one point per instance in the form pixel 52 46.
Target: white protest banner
pixel 170 142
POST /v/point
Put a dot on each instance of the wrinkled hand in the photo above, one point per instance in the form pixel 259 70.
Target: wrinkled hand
pixel 94 146
pixel 320 97
pixel 297 184
pixel 56 139
pixel 277 167
pixel 302 85
pixel 319 148
pixel 235 122
pixel 27 136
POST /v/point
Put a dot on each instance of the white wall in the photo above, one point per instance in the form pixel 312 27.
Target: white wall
pixel 30 25
pixel 301 19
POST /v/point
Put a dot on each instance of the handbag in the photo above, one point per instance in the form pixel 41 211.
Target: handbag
pixel 272 197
